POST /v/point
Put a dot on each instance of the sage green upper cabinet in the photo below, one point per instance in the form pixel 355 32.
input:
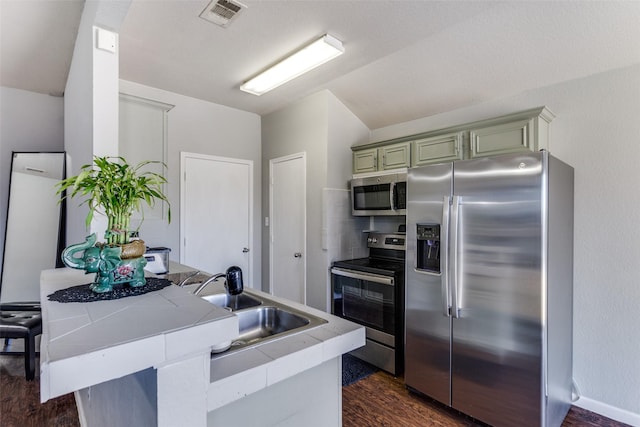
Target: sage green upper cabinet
pixel 391 156
pixel 437 149
pixel 365 160
pixel 501 139
pixel 518 132
pixel 528 134
pixel 396 156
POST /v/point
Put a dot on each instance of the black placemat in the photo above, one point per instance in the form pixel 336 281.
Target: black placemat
pixel 82 293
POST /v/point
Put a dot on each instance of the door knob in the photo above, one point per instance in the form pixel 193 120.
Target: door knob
pixel 245 250
pixel 297 255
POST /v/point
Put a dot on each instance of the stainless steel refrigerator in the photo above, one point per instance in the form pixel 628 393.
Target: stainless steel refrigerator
pixel 489 287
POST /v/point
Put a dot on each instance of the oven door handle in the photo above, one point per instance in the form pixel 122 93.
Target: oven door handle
pixel 363 276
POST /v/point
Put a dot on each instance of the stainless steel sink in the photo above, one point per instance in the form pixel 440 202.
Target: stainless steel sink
pixel 266 321
pixel 232 302
pixel 261 319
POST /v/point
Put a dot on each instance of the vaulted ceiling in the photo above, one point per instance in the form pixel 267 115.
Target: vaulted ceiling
pixel 403 59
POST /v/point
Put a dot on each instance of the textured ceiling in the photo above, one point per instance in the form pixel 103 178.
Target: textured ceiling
pixel 403 59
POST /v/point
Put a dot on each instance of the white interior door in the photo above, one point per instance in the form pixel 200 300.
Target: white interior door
pixel 215 215
pixel 288 227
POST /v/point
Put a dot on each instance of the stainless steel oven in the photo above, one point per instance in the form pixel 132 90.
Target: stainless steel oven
pixel 370 291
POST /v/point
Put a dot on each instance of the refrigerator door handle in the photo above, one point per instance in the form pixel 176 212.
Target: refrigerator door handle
pixel 454 281
pixel 444 256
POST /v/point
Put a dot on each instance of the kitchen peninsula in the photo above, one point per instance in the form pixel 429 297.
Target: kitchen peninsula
pixel 146 361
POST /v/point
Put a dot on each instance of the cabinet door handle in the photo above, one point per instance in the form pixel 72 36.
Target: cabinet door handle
pixel 245 250
pixel 297 255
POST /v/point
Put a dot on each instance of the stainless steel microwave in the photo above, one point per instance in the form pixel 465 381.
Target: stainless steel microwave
pixel 379 195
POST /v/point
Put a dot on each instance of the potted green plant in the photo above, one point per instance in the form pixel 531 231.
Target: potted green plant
pixel 116 189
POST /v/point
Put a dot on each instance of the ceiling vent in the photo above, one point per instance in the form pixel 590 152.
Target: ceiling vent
pixel 222 12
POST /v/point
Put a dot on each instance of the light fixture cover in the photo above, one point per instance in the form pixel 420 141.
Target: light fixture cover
pixel 309 57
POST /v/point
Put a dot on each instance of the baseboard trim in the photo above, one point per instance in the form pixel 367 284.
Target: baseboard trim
pixel 609 411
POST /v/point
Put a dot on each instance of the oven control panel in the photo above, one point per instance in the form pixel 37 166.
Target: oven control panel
pixel 387 241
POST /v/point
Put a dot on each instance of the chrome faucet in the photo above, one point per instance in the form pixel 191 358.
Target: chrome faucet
pixel 233 281
pixel 206 282
pixel 184 281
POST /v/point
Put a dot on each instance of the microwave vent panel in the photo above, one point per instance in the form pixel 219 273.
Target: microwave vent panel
pixel 222 12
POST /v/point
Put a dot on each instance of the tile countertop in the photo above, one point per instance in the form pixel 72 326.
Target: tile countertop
pixel 239 373
pixel 84 344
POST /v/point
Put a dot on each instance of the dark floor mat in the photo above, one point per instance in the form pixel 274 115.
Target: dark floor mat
pixel 354 369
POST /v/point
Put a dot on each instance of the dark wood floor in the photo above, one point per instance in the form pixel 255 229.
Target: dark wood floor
pixel 376 401
pixel 381 400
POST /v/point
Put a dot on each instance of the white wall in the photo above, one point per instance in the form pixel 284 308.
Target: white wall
pixel 28 122
pixel 345 130
pixel 322 127
pixel 78 119
pixel 202 127
pixel 342 232
pixel 597 131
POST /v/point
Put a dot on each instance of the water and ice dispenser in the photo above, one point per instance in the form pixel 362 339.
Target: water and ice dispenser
pixel 428 250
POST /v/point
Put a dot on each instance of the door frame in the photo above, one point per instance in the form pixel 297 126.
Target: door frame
pixel 183 160
pixel 301 155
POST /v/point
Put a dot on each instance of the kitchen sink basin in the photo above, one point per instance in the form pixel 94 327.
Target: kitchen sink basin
pixel 261 319
pixel 264 322
pixel 232 302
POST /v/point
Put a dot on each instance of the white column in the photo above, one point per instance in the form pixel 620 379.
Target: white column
pixel 182 392
pixel 91 100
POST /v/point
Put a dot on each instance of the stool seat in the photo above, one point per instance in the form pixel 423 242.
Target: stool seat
pixel 26 325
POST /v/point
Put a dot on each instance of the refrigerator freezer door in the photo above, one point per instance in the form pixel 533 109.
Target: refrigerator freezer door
pixel 497 338
pixel 428 325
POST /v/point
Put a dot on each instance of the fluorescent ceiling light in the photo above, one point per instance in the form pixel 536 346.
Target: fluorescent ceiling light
pixel 306 59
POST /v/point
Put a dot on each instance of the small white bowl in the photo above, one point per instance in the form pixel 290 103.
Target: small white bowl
pixel 223 346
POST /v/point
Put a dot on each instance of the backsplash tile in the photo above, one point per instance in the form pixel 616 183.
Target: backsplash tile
pixel 343 236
